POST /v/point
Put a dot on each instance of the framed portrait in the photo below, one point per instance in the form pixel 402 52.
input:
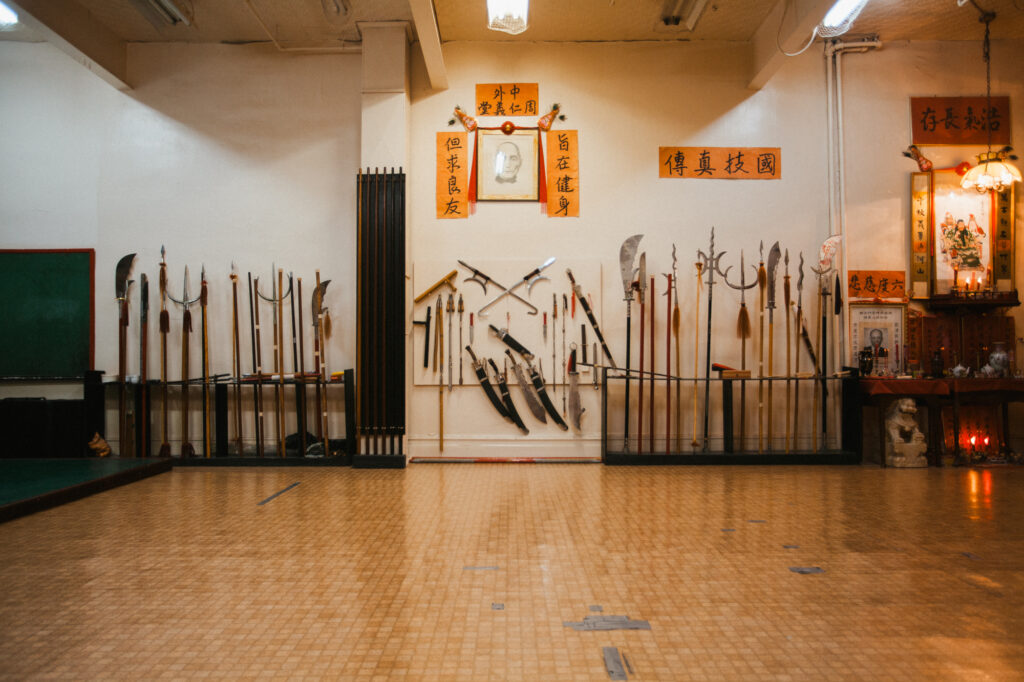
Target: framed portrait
pixel 507 165
pixel 877 326
pixel 960 239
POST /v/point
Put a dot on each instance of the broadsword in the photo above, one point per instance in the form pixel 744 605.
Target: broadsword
pixel 627 256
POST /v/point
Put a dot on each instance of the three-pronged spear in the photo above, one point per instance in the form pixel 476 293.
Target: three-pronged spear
pixel 186 330
pixel 710 261
pixel 743 332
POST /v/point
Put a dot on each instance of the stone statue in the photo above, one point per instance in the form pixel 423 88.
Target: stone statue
pixel 904 443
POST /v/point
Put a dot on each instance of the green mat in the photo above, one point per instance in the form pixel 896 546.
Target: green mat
pixel 23 479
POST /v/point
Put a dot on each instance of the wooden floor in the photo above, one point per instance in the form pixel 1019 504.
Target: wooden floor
pixel 470 571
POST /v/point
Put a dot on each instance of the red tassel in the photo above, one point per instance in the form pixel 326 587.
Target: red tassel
pixel 472 172
pixel 542 190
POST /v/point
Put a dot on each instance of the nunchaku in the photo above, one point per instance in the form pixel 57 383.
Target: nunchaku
pixel 186 330
pixel 121 284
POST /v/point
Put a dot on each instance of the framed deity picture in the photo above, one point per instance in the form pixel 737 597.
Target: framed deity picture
pixel 961 240
pixel 878 326
pixel 507 165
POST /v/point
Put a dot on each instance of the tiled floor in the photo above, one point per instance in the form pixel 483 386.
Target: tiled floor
pixel 359 575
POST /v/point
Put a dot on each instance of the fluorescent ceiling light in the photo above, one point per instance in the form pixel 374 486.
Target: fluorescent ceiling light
pixel 171 12
pixel 507 15
pixel 7 16
pixel 838 20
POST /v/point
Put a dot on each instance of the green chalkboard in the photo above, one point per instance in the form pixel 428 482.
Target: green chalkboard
pixel 47 321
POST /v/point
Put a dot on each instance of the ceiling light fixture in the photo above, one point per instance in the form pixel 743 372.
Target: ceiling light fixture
pixel 171 12
pixel 8 17
pixel 993 173
pixel 840 18
pixel 507 15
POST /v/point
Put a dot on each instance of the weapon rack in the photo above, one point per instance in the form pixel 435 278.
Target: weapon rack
pixel 614 451
pixel 222 451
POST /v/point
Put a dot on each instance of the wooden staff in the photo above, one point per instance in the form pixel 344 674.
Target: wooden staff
pixel 322 331
pixel 640 381
pixel 668 367
pixel 653 308
pixel 143 419
pixel 789 353
pixel 743 332
pixel 440 382
pixel 696 348
pixel 817 369
pixel 279 360
pixel 254 311
pixel 762 284
pixel 203 299
pixel 165 328
pixel 302 373
pixel 236 360
pixel 679 366
pixel 798 325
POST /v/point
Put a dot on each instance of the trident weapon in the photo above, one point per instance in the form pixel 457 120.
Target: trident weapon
pixel 276 299
pixel 121 284
pixel 627 255
pixel 529 279
pixel 186 329
pixel 710 261
pixel 773 263
pixel 743 331
pixel 165 328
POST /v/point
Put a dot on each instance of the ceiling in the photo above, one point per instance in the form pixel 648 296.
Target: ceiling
pixel 332 23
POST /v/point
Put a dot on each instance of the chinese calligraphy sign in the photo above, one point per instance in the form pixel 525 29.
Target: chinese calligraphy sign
pixel 876 284
pixel 728 163
pixel 506 99
pixel 959 120
pixel 452 175
pixel 563 174
pixel 920 229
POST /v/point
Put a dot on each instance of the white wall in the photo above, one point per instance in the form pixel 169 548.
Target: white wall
pixel 222 153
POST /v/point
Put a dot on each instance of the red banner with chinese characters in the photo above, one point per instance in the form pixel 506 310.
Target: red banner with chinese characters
pixel 876 284
pixel 506 99
pixel 959 120
pixel 452 175
pixel 563 174
pixel 720 163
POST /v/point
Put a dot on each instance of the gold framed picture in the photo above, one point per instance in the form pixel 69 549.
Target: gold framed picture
pixel 961 240
pixel 507 165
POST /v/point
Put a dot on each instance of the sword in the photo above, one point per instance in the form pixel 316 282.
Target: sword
pixel 575 408
pixel 509 341
pixel 538 384
pixel 481 375
pixel 529 279
pixel 627 256
pixel 532 399
pixel 510 407
pixel 578 290
pixel 773 263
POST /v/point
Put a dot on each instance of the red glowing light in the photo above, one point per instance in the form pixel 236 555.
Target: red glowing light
pixel 973 439
pixel 986 441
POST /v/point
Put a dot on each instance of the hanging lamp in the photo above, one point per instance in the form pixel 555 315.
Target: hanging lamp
pixel 993 173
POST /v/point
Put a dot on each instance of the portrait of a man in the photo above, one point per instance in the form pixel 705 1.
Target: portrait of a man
pixel 507 165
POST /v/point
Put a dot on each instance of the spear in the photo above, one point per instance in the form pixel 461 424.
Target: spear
pixel 668 366
pixel 642 289
pixel 298 372
pixel 565 314
pixel 236 359
pixel 675 335
pixel 789 351
pixel 186 329
pixel 762 283
pixel 696 349
pixel 711 266
pixel 165 328
pixel 257 362
pixel 203 299
pixel 773 264
pixel 796 351
pixel 281 417
pixel 144 368
pixel 121 284
pixel 654 307
pixel 462 310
